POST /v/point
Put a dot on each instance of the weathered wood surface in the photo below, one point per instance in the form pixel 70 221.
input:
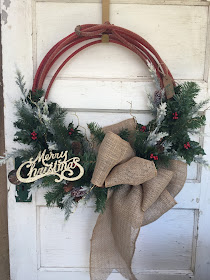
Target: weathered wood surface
pixel 4 242
pixel 98 84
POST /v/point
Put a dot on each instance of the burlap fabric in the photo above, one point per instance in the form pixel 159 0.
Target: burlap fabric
pixel 129 124
pixel 146 195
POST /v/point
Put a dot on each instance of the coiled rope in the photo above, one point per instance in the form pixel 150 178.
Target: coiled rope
pixel 94 32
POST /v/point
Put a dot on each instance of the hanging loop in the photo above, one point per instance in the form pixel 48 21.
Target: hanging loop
pixel 105 19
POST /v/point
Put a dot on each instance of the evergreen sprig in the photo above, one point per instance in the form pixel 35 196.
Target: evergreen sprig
pixel 124 134
pixel 101 197
pixel 42 125
pixel 55 196
pixel 96 132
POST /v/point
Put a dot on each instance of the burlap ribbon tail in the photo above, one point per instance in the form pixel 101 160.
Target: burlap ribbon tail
pixel 146 195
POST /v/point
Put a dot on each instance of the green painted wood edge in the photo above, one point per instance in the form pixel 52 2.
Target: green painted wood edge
pixel 22 189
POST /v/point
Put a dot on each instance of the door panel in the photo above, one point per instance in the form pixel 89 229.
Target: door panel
pixel 66 245
pixel 178 33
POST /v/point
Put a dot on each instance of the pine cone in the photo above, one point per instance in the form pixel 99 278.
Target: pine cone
pixel 68 187
pixel 77 148
pixel 160 149
pixel 157 97
pixel 77 199
pixel 160 146
pixel 77 192
pixel 13 178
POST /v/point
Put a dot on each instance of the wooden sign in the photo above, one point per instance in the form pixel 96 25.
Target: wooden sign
pixel 51 163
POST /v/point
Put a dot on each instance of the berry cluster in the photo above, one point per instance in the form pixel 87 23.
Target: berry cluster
pixel 71 131
pixel 153 157
pixel 175 116
pixel 187 146
pixel 143 128
pixel 33 135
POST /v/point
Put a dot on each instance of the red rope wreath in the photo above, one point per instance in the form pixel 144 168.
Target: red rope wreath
pixel 117 35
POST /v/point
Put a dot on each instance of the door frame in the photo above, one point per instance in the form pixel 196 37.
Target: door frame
pixel 4 242
pixel 23 58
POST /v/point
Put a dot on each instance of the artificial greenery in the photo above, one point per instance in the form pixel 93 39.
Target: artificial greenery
pixel 97 132
pixel 168 135
pixel 42 125
pixel 101 197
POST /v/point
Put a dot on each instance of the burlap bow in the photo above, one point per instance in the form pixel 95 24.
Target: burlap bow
pixel 146 195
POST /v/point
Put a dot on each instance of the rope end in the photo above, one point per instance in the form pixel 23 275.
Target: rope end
pixel 78 30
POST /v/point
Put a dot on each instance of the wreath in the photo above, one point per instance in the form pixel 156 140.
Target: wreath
pixel 41 126
pixel 126 164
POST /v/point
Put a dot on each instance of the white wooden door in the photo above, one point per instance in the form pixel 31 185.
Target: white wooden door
pixel 98 84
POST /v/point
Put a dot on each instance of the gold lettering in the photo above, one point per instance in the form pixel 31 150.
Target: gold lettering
pixel 60 166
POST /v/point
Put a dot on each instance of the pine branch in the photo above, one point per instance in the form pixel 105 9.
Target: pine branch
pixel 124 134
pixel 101 197
pixel 161 113
pixel 155 137
pixel 195 110
pixel 200 160
pixel 97 132
pixel 68 204
pixel 153 74
pixel 55 196
pixel 20 82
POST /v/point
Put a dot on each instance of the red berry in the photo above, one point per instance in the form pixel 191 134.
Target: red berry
pixel 154 157
pixel 33 133
pixel 187 146
pixel 70 133
pixel 143 128
pixel 175 116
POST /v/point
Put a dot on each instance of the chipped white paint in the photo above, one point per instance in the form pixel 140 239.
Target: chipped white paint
pixel 98 84
pixel 153 237
pixel 121 93
pixel 4 16
pixel 6 3
pixel 148 2
pixel 3 8
pixel 178 34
